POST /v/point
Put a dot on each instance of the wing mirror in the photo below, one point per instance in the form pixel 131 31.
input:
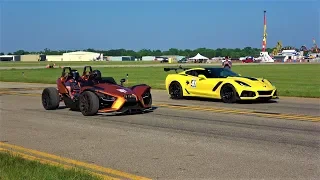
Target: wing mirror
pixel 201 77
pixel 122 81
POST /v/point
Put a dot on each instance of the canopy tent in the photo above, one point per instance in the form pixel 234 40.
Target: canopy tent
pixel 199 57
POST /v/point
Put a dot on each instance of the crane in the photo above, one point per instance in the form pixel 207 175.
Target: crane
pixel 264 40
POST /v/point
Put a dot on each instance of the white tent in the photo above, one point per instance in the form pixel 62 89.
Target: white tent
pixel 199 57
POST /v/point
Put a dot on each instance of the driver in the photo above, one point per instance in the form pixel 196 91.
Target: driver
pixel 96 76
pixel 73 84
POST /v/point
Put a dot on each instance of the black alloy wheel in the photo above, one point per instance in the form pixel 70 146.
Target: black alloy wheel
pixel 175 90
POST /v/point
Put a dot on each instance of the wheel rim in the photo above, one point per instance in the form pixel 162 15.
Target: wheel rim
pixel 45 99
pixel 147 98
pixel 227 93
pixel 175 90
pixel 84 105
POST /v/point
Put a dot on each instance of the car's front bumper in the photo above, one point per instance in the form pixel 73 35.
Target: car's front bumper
pixel 260 94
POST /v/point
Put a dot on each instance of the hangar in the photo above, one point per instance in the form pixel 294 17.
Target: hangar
pixel 82 56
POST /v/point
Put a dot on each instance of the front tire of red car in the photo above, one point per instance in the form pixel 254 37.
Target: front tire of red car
pixel 88 103
pixel 147 98
pixel 50 98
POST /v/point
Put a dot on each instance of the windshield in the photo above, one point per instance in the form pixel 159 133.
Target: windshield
pixel 220 73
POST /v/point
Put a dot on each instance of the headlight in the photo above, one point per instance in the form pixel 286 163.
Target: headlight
pixel 243 84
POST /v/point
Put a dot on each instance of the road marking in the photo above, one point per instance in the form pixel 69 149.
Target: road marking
pixel 75 162
pixel 297 117
pixel 245 112
pixel 45 161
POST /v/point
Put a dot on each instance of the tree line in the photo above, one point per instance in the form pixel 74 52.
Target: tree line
pixel 210 53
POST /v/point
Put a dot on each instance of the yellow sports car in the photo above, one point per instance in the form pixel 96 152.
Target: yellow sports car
pixel 217 83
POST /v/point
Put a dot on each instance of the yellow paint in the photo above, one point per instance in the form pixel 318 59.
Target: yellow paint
pixel 219 110
pixel 245 112
pixel 75 162
pixel 45 161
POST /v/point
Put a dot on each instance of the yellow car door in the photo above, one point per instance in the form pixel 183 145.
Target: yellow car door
pixel 207 87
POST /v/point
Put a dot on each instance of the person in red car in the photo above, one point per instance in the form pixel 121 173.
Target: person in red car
pixel 96 76
pixel 73 84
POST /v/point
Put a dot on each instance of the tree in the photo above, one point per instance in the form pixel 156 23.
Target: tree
pixel 219 52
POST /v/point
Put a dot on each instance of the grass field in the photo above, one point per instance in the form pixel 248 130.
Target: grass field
pixel 299 80
pixel 68 63
pixel 15 167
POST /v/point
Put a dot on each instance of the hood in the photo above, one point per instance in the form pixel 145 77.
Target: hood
pixel 114 89
pixel 254 82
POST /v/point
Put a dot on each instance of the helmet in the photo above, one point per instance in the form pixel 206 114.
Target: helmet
pixel 75 75
pixel 96 74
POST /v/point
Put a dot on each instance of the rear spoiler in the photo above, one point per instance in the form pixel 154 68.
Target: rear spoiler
pixel 175 69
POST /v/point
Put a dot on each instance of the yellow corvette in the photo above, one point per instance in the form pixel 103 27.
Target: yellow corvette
pixel 217 83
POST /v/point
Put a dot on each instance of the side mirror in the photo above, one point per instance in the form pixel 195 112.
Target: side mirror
pixel 201 77
pixel 122 81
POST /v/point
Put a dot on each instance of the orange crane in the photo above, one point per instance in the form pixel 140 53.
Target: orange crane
pixel 264 40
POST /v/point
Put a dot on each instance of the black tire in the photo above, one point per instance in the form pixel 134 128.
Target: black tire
pixel 228 94
pixel 88 103
pixel 74 106
pixel 50 98
pixel 175 90
pixel 147 98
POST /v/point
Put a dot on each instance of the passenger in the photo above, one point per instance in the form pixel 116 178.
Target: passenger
pixel 73 84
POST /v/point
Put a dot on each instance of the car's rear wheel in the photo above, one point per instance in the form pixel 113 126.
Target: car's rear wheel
pixel 175 90
pixel 50 98
pixel 228 94
pixel 88 103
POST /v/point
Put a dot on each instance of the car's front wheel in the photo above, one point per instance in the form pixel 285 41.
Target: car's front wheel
pixel 147 98
pixel 228 94
pixel 88 103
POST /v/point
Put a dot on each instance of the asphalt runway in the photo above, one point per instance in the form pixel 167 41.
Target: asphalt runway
pixel 185 139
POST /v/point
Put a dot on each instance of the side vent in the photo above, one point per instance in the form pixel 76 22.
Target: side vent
pixel 216 86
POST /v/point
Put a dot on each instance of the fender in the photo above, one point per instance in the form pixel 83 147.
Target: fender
pixel 140 89
pixel 62 89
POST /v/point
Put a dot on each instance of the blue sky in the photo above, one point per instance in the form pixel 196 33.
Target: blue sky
pixel 155 24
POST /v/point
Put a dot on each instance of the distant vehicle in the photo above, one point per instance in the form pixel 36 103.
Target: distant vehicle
pixel 248 60
pixel 101 95
pixel 162 59
pixel 183 60
pixel 217 83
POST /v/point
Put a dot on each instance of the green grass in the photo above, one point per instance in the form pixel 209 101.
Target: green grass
pixel 68 63
pixel 291 79
pixel 15 167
